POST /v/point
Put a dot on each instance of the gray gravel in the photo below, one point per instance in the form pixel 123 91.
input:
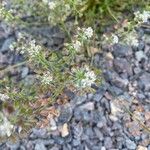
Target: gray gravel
pixel 95 121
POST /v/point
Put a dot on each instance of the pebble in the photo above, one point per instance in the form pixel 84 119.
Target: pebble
pixel 141 148
pixel 120 50
pixel 66 113
pixel 140 55
pixel 130 144
pixel 64 130
pixel 40 146
pixel 121 65
pixel 87 106
pixel 7 44
pixel 25 71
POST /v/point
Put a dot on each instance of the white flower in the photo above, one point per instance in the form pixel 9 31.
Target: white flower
pixel 77 45
pixel 32 48
pixel 5 127
pixel 3 97
pixel 47 78
pixel 51 5
pixel 88 32
pixel 115 38
pixel 84 77
pixel 132 39
pixel 142 17
pixel 110 39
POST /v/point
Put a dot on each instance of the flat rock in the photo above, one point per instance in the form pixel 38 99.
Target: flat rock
pixel 121 65
pixel 120 50
pixel 40 146
pixel 140 55
pixel 130 144
pixel 7 44
pixel 145 81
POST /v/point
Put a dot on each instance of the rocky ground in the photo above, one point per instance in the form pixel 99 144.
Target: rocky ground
pixel 96 121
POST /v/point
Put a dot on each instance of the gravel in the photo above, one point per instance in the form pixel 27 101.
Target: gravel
pixel 98 121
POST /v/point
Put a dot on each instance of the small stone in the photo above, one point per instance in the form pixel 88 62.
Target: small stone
pixel 97 97
pixel 109 56
pixel 13 146
pixel 79 100
pixel 76 142
pixel 99 134
pixel 66 113
pixel 141 148
pixel 39 133
pixel 53 125
pixel 145 81
pixel 130 144
pixel 137 70
pixel 119 82
pixel 140 55
pixel 120 50
pixel 25 71
pixel 7 44
pixel 64 130
pixel 115 110
pixel 121 65
pixel 108 142
pixel 88 106
pixel 40 146
pixel 30 145
pixel 103 148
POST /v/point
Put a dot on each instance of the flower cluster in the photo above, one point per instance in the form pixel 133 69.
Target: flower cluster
pixel 51 4
pixel 84 77
pixel 83 35
pixel 142 17
pixel 3 97
pixel 88 32
pixel 47 78
pixel 110 39
pixel 24 46
pixel 59 11
pixel 5 126
pixel 132 39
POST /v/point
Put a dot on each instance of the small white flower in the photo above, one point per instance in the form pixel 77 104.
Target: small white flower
pixel 84 77
pixel 33 49
pixel 142 17
pixel 47 78
pixel 77 45
pixel 110 39
pixel 88 32
pixel 51 5
pixel 115 39
pixel 132 39
pixel 3 97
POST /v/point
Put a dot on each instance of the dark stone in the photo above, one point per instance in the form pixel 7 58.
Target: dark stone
pixel 120 50
pixel 121 65
pixel 145 81
pixel 66 113
pixel 7 43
